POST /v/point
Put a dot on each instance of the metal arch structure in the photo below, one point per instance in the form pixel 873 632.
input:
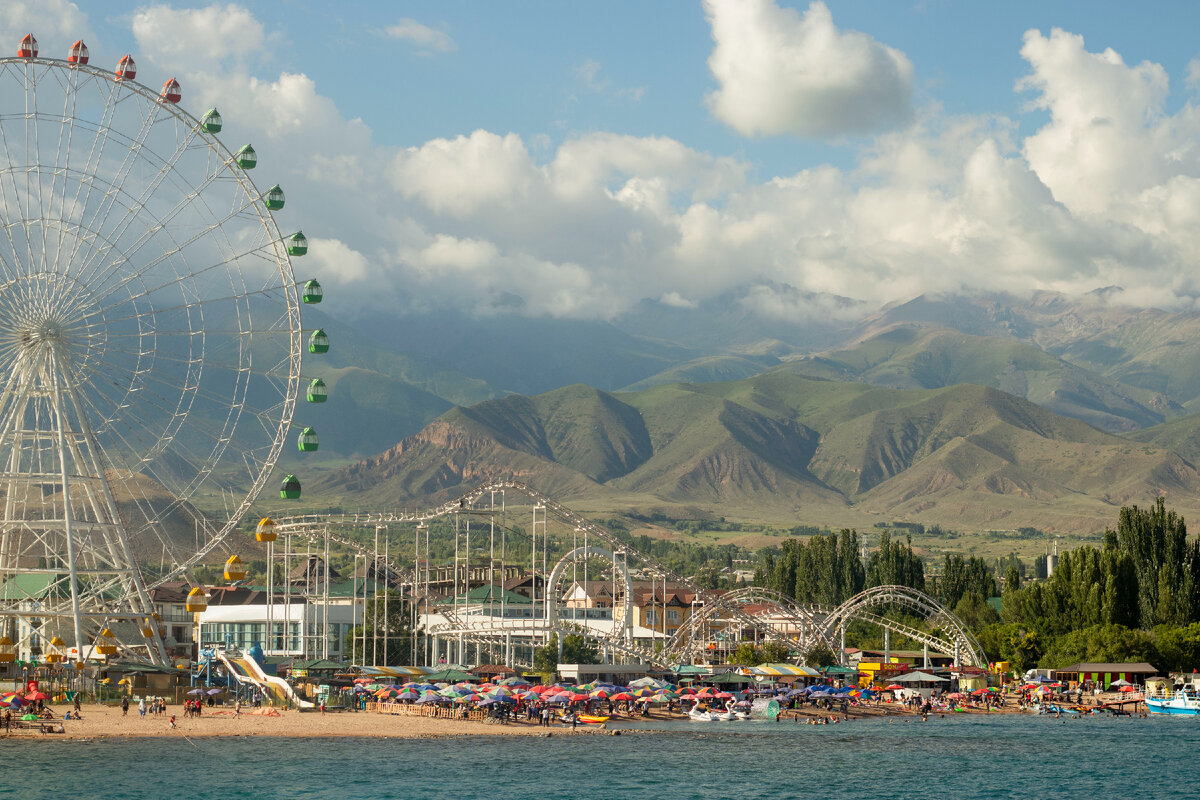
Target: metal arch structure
pixel 797 625
pixel 958 639
pixel 802 624
pixel 147 307
pixel 559 572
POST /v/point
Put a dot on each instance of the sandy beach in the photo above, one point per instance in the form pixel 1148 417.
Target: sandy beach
pixel 106 722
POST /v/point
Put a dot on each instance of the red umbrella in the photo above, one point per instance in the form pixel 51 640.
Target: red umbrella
pixel 1128 688
pixel 893 687
pixel 622 696
pixel 575 698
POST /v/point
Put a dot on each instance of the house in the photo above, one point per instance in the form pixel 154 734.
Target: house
pixel 1105 673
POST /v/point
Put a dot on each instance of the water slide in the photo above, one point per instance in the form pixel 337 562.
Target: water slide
pixel 247 670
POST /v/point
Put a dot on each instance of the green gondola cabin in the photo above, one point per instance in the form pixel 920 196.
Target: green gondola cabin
pixel 297 244
pixel 212 122
pixel 307 441
pixel 318 342
pixel 246 158
pixel 290 488
pixel 312 292
pixel 274 198
pixel 317 391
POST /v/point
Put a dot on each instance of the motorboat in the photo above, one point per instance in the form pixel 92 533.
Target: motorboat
pixel 1185 702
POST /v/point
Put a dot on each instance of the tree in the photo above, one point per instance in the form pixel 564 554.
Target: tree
pixel 820 655
pixel 895 564
pixel 576 649
pixel 774 653
pixel 746 655
pixel 1163 562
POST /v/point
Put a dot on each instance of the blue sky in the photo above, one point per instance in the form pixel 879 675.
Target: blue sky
pixel 584 156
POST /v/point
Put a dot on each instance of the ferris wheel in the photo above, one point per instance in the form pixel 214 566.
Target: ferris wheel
pixel 150 348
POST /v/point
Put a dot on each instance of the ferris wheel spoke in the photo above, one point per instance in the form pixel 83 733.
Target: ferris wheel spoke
pixel 91 164
pixel 16 198
pixel 149 114
pixel 101 276
pixel 166 168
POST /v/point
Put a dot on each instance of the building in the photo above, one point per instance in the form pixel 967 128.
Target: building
pixel 296 627
pixel 1105 673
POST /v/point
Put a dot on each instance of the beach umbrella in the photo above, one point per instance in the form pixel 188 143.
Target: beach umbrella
pixel 723 696
pixel 1128 688
pixel 515 680
pixel 578 697
pixel 622 696
pixel 216 691
pixel 407 694
pixel 531 695
pixel 558 700
pixel 601 694
pixel 196 691
pixel 893 687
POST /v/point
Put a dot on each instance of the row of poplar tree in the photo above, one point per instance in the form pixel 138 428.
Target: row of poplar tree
pixel 1136 597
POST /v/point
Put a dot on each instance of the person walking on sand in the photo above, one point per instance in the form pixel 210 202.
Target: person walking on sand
pixel 237 707
pixel 125 706
pixel 172 720
pixel 142 707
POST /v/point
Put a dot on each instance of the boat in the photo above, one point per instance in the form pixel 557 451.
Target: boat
pixel 592 719
pixel 700 716
pixel 726 716
pixel 1185 702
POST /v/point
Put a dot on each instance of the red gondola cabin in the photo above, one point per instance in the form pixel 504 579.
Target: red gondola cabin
pixel 78 53
pixel 28 47
pixel 171 92
pixel 126 69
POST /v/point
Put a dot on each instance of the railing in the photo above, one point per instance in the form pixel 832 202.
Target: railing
pixel 427 710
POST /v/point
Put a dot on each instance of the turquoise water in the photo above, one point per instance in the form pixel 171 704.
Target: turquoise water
pixel 1011 756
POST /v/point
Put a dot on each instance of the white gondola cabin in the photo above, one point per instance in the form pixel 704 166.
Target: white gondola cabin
pixel 28 48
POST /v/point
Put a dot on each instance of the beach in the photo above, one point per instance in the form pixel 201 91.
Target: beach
pixel 106 722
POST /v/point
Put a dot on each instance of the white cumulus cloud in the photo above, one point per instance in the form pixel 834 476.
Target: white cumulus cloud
pixel 427 39
pixel 779 72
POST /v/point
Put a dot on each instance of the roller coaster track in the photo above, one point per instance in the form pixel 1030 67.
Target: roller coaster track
pixel 813 623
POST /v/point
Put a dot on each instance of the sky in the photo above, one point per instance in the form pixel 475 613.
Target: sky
pixel 570 160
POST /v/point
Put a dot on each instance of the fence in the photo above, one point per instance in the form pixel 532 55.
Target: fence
pixel 428 710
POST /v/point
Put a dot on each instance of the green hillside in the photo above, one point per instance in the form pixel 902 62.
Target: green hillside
pixel 909 356
pixel 788 448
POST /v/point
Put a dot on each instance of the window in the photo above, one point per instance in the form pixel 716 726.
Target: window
pixel 673 615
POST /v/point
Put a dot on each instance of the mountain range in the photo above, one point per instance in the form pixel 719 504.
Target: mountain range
pixel 978 413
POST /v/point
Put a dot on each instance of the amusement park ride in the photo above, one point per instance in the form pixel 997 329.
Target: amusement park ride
pixel 152 348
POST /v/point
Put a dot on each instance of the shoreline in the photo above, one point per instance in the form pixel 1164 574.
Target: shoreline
pixel 105 722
